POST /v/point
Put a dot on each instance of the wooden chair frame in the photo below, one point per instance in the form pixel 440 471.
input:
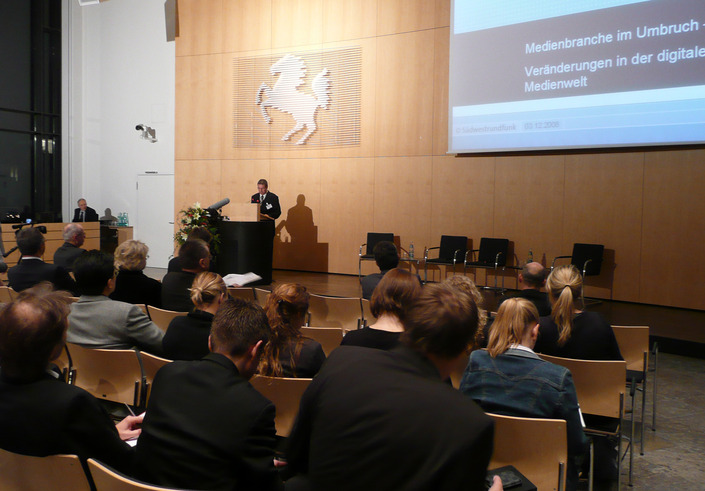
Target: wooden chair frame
pixel 161 317
pixel 55 472
pixel 342 312
pixel 285 393
pixel 329 337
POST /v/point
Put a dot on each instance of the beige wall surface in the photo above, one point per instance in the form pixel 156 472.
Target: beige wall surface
pixel 644 205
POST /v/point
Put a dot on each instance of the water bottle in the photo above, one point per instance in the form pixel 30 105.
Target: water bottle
pixel 126 220
pixel 411 251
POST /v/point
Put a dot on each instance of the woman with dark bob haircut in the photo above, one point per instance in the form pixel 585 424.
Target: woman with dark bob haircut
pixel 397 290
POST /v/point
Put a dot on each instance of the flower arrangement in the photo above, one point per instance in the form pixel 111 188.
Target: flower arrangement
pixel 196 216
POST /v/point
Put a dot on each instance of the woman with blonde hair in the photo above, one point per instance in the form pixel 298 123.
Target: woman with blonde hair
pixel 466 285
pixel 509 378
pixel 288 353
pixel 570 332
pixel 390 299
pixel 187 336
pixel 131 284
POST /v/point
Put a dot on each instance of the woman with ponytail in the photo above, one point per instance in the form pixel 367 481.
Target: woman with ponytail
pixel 509 378
pixel 288 353
pixel 570 332
pixel 187 336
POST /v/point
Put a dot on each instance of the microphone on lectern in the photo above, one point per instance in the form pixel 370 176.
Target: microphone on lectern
pixel 219 204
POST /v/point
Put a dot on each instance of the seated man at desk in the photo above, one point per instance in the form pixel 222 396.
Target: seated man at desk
pixel 84 213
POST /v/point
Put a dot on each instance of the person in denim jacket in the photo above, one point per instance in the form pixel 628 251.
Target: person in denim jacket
pixel 510 379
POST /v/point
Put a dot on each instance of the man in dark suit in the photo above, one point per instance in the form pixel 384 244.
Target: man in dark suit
pixel 386 420
pixel 269 202
pixel 39 414
pixel 531 279
pixel 74 236
pixel 31 269
pixel 194 258
pixel 84 213
pixel 387 258
pixel 207 427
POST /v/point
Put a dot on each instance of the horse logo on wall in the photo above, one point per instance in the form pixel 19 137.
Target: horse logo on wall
pixel 287 97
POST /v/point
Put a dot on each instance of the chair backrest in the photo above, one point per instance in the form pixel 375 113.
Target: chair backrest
pixel 106 479
pixel 373 238
pixel 329 337
pixel 450 244
pixel 600 385
pixel 285 394
pixel 56 472
pixel 7 294
pixel 583 252
pixel 150 366
pixel 367 312
pixel 538 448
pixel 162 318
pixel 244 293
pixel 489 248
pixel 633 342
pixel 114 375
pixel 261 296
pixel 334 312
pixel 143 308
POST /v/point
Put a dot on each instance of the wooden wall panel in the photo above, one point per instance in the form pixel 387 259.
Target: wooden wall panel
pixel 440 91
pixel 199 107
pixel 672 266
pixel 603 199
pixel 397 16
pixel 347 188
pixel 239 180
pixel 349 19
pixel 404 94
pixel 442 13
pixel 248 25
pixel 296 23
pixel 195 181
pixel 200 27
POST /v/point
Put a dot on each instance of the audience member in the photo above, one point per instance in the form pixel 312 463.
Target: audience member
pixel 41 415
pixel 74 236
pixel 509 378
pixel 288 353
pixel 206 427
pixel 96 321
pixel 131 284
pixel 84 213
pixel 531 279
pixel 387 258
pixel 31 269
pixel 385 420
pixel 201 233
pixel 187 336
pixel 397 290
pixel 570 332
pixel 194 257
pixel 467 286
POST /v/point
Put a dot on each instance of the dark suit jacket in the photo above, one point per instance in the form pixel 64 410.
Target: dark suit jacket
pixel 29 272
pixel 175 293
pixel 66 255
pixel 591 338
pixel 538 298
pixel 49 417
pixel 207 428
pixel 187 336
pixel 270 206
pixel 384 420
pixel 91 215
pixel 137 287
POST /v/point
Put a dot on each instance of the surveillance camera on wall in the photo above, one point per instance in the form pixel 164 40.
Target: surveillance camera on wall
pixel 149 134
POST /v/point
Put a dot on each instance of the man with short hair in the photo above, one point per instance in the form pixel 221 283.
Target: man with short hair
pixel 195 233
pixel 41 415
pixel 84 213
pixel 96 321
pixel 531 279
pixel 387 258
pixel 268 202
pixel 207 427
pixel 386 420
pixel 194 256
pixel 32 269
pixel 74 236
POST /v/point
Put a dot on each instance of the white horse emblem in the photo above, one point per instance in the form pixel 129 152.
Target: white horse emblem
pixel 286 96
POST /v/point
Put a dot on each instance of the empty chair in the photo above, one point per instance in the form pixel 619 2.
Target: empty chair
pixel 285 394
pixel 106 479
pixel 55 472
pixel 162 317
pixel 245 293
pixel 329 337
pixel 451 252
pixel 114 375
pixel 342 312
pixel 7 294
pixel 492 254
pixel 150 366
pixel 372 240
pixel 538 448
pixel 261 296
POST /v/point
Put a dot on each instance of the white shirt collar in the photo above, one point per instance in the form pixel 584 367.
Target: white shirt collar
pixel 31 257
pixel 521 347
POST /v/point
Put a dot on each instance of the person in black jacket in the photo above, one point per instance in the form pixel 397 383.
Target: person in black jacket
pixel 268 202
pixel 84 213
pixel 131 284
pixel 66 255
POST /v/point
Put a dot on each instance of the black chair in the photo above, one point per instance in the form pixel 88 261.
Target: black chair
pixel 452 251
pixel 492 254
pixel 587 258
pixel 372 240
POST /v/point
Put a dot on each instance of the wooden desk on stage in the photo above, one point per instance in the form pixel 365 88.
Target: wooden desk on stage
pixel 246 244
